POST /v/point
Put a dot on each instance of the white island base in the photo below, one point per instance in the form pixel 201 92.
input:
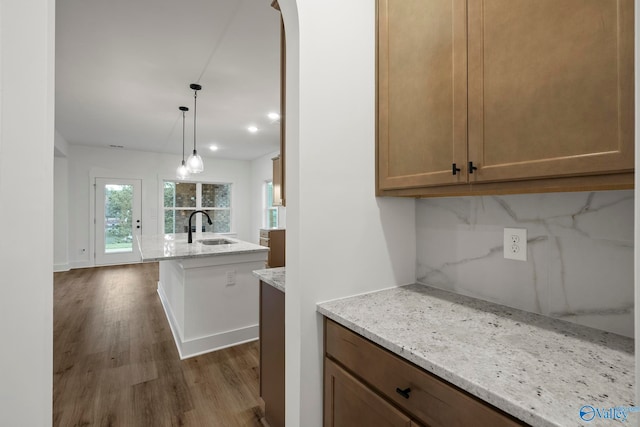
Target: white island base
pixel 211 302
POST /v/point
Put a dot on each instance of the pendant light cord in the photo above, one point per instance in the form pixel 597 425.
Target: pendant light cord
pixel 183 137
pixel 195 99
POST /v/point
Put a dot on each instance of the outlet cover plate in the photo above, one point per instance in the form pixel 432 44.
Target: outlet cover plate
pixel 231 277
pixel 515 244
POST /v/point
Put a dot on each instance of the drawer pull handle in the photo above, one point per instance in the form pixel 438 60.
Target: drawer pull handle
pixel 404 393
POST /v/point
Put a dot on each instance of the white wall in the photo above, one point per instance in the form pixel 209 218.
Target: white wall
pixel 61 146
pixel 60 213
pixel 26 190
pixel 87 162
pixel 341 240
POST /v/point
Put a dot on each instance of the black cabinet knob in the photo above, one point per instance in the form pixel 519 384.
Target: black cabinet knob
pixel 404 393
pixel 455 169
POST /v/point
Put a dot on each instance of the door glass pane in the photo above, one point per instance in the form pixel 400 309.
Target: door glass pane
pixel 221 221
pixel 118 230
pixel 216 195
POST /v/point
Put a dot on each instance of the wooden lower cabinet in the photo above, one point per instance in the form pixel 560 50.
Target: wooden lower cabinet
pixel 272 353
pixel 274 239
pixel 364 380
pixel 350 403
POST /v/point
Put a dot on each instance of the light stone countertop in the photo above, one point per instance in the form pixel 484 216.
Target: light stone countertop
pixel 163 247
pixel 272 276
pixel 538 369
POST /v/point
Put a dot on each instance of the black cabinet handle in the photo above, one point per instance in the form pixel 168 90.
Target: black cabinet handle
pixel 454 169
pixel 404 393
pixel 472 168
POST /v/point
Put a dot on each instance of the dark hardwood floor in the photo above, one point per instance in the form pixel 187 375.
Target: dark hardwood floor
pixel 115 361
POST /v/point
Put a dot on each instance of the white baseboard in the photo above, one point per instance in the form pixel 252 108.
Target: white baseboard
pixel 206 344
pixel 80 264
pixel 61 267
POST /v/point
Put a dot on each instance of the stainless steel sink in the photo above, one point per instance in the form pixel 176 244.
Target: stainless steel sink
pixel 216 242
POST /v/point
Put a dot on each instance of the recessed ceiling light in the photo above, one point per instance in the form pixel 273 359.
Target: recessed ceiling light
pixel 252 129
pixel 273 116
pixel 213 147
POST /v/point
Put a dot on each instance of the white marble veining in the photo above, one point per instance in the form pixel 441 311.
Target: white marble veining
pixel 273 276
pixel 174 246
pixel 538 369
pixel 580 253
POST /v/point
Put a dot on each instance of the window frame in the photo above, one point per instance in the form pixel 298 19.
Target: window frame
pixel 268 207
pixel 198 218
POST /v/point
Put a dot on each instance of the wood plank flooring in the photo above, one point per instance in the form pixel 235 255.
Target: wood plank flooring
pixel 115 361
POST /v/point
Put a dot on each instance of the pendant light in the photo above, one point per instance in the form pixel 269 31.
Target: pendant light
pixel 182 172
pixel 194 163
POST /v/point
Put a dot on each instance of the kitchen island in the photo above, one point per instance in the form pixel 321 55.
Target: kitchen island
pixel 207 289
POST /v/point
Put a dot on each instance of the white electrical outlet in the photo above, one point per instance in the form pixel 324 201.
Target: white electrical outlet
pixel 231 277
pixel 515 243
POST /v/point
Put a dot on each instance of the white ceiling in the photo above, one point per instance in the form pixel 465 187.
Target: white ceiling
pixel 123 67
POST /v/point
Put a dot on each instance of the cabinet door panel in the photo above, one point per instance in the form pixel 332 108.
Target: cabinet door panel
pixel 421 92
pixel 272 363
pixel 550 88
pixel 350 403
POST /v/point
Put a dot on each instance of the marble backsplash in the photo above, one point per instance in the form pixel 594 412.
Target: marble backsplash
pixel 579 260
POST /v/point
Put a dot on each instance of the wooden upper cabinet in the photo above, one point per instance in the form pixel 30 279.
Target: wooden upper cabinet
pixel 538 95
pixel 550 88
pixel 422 92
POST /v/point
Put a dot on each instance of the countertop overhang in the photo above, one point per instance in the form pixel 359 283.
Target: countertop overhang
pixel 275 277
pixel 538 369
pixel 161 247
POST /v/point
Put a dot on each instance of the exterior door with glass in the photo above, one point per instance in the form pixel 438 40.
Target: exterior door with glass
pixel 118 220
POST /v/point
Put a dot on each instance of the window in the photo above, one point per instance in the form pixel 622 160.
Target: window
pixel 271 212
pixel 182 198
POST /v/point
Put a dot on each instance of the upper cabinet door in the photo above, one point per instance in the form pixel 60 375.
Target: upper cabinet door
pixel 551 89
pixel 422 92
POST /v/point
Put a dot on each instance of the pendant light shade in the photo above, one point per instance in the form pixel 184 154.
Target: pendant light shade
pixel 195 163
pixel 182 172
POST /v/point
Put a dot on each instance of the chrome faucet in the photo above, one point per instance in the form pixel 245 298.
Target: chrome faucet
pixel 190 239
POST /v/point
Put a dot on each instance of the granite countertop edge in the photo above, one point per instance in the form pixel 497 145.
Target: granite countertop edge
pixel 272 276
pixel 165 247
pixel 202 255
pixel 366 313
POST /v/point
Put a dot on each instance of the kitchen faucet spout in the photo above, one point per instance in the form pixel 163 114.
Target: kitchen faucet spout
pixel 190 238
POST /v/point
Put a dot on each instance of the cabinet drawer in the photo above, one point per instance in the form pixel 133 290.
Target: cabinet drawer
pixel 264 234
pixel 430 400
pixel 264 242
